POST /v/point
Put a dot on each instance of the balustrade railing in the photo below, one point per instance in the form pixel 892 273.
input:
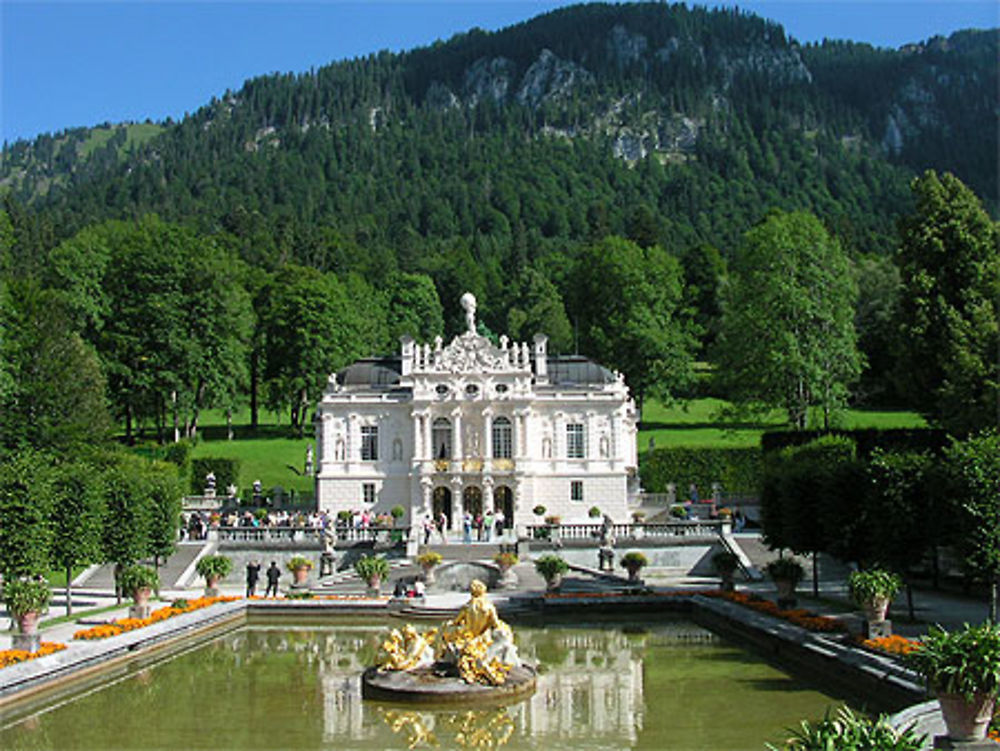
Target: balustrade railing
pixel 310 535
pixel 667 530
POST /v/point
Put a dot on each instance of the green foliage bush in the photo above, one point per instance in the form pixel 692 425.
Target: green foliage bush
pixel 851 732
pixel 634 560
pixel 179 453
pixel 785 568
pixel 866 439
pixel 549 566
pixel 725 562
pixel 215 566
pixel 737 469
pixel 965 662
pixel 26 596
pixel 136 577
pixel 298 561
pixel 876 583
pixel 227 472
pixel 369 566
pixel 429 559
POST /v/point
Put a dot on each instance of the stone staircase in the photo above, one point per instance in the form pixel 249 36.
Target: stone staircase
pixel 102 577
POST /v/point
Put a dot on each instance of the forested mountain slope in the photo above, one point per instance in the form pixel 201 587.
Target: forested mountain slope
pixel 474 157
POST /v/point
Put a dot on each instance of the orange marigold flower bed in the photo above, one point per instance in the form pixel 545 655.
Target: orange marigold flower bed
pixel 160 614
pixel 798 616
pixel 14 656
pixel 894 645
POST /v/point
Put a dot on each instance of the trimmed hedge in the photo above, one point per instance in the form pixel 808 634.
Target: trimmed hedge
pixel 737 469
pixel 227 472
pixel 867 440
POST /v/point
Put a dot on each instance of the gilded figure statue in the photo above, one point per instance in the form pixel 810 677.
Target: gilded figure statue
pixel 476 642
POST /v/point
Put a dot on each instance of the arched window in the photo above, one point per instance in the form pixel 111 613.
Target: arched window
pixel 441 438
pixel 502 438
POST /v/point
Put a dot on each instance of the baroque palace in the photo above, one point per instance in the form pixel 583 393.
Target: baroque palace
pixel 473 426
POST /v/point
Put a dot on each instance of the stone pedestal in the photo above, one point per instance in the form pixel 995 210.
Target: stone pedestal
pixel 876 629
pixel 139 611
pixel 944 742
pixel 326 564
pixel 27 642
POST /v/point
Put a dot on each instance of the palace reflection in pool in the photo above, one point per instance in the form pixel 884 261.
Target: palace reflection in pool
pixel 662 684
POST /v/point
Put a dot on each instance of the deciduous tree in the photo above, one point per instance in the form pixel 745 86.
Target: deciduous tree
pixel 787 336
pixel 627 304
pixel 950 265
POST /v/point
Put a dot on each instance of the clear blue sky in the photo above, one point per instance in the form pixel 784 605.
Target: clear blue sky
pixel 68 63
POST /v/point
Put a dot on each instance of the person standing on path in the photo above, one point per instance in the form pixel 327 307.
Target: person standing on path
pixel 253 573
pixel 273 574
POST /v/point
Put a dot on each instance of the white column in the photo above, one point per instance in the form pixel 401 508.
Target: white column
pixel 456 435
pixel 487 434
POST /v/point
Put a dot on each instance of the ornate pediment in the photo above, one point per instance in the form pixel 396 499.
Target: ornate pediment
pixel 471 353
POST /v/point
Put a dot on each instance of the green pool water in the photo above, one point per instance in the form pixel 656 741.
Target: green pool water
pixel 645 685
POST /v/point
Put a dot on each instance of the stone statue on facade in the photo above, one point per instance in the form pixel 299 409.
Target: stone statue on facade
pixel 468 302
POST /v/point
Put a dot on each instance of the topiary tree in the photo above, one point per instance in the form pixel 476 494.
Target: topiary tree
pixel 125 532
pixel 78 508
pixel 973 468
pixel 163 489
pixel 25 503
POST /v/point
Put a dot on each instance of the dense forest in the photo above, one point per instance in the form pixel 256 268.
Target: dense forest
pixel 507 164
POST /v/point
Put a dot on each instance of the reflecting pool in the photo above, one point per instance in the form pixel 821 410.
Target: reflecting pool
pixel 662 684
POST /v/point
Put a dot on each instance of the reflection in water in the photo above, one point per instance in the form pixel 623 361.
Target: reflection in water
pixel 299 688
pixel 471 728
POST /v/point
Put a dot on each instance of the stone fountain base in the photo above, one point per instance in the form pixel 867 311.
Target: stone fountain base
pixel 438 685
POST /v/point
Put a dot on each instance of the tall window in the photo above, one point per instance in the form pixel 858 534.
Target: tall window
pixel 575 441
pixel 576 490
pixel 502 439
pixel 441 438
pixel 368 492
pixel 369 443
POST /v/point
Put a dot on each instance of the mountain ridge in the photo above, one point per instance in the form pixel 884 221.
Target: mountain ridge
pixel 684 97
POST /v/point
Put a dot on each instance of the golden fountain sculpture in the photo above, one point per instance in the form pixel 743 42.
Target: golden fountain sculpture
pixel 476 642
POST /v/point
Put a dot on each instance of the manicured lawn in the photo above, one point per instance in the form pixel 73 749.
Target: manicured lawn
pixel 697 423
pixel 275 455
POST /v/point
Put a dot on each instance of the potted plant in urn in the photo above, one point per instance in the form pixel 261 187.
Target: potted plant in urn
pixel 963 669
pixel 873 590
pixel 634 562
pixel 213 568
pixel 373 569
pixel 725 564
pixel 551 568
pixel 27 600
pixel 786 573
pixel 505 562
pixel 428 561
pixel 541 533
pixel 300 566
pixel 139 582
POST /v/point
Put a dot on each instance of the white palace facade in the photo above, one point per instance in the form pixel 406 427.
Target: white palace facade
pixel 473 426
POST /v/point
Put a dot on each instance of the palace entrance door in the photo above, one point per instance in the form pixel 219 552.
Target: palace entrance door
pixel 503 500
pixel 472 499
pixel 442 503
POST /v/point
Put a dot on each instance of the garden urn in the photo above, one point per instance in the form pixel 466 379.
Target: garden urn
pixel 876 609
pixel 211 586
pixel 301 574
pixel 553 582
pixel 27 623
pixel 967 719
